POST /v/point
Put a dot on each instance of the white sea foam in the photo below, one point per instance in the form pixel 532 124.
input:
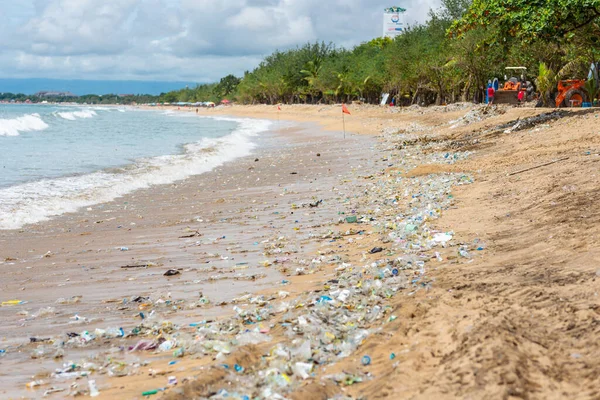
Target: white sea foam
pixel 38 201
pixel 73 115
pixel 25 123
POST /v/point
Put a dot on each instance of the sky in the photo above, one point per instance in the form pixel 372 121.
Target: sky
pixel 175 40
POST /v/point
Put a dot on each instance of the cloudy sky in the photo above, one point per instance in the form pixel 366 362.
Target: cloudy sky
pixel 183 40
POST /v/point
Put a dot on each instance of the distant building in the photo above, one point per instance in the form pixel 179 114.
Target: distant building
pixel 55 94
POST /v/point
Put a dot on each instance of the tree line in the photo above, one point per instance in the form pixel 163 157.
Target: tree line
pixel 451 57
pixel 85 99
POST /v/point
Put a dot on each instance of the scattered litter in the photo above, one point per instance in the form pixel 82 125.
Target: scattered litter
pixel 442 237
pixel 196 233
pixel 69 300
pixel 52 390
pixel 315 204
pixel 93 389
pixel 9 303
pixel 143 345
pixel 323 326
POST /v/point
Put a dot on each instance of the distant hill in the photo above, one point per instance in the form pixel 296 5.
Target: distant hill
pixel 82 87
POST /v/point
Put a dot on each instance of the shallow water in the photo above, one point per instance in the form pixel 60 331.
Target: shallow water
pixel 58 159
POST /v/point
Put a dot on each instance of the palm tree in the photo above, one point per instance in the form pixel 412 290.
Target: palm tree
pixel 546 83
pixel 311 73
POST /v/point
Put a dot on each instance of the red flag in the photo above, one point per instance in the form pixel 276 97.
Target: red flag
pixel 278 108
pixel 345 109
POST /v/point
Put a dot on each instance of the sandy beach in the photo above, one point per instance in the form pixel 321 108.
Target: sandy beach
pixel 455 247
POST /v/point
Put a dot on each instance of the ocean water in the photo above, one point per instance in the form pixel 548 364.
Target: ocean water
pixel 57 159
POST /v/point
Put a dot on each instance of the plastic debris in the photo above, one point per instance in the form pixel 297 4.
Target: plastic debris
pixel 442 237
pixel 32 384
pixel 302 370
pixel 143 345
pixel 9 303
pixel 179 352
pixel 93 389
pixel 322 327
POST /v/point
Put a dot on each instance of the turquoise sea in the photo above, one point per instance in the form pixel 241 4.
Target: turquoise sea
pixel 57 159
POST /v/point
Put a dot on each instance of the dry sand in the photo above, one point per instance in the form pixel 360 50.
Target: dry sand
pixel 518 320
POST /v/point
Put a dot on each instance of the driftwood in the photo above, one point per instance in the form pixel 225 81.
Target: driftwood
pixel 135 266
pixel 538 166
pixel 195 234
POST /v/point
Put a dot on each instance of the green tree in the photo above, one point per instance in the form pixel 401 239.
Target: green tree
pixel 227 86
pixel 532 20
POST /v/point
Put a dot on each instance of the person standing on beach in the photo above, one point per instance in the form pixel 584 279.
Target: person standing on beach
pixel 491 93
pixel 521 96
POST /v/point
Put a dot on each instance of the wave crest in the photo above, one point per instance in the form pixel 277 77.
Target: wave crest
pixel 25 123
pixel 38 201
pixel 73 115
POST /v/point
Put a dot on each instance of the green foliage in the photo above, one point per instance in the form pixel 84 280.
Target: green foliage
pixel 592 88
pixel 546 83
pixel 531 20
pixel 227 86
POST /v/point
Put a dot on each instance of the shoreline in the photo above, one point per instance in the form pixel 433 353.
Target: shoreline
pixel 89 242
pixel 39 198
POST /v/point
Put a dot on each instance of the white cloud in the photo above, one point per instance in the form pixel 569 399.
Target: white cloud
pixel 198 40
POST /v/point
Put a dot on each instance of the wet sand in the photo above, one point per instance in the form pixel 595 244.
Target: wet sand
pixel 232 214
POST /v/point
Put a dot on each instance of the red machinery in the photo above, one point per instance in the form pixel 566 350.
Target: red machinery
pixel 572 93
pixel 509 93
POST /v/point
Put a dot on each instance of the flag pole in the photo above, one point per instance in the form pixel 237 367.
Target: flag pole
pixel 278 114
pixel 344 123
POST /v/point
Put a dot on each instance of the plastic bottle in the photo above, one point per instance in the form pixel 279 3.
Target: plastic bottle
pixel 166 345
pixel 93 389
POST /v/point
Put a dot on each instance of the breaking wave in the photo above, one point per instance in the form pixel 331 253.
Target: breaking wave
pixel 73 115
pixel 26 123
pixel 33 202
